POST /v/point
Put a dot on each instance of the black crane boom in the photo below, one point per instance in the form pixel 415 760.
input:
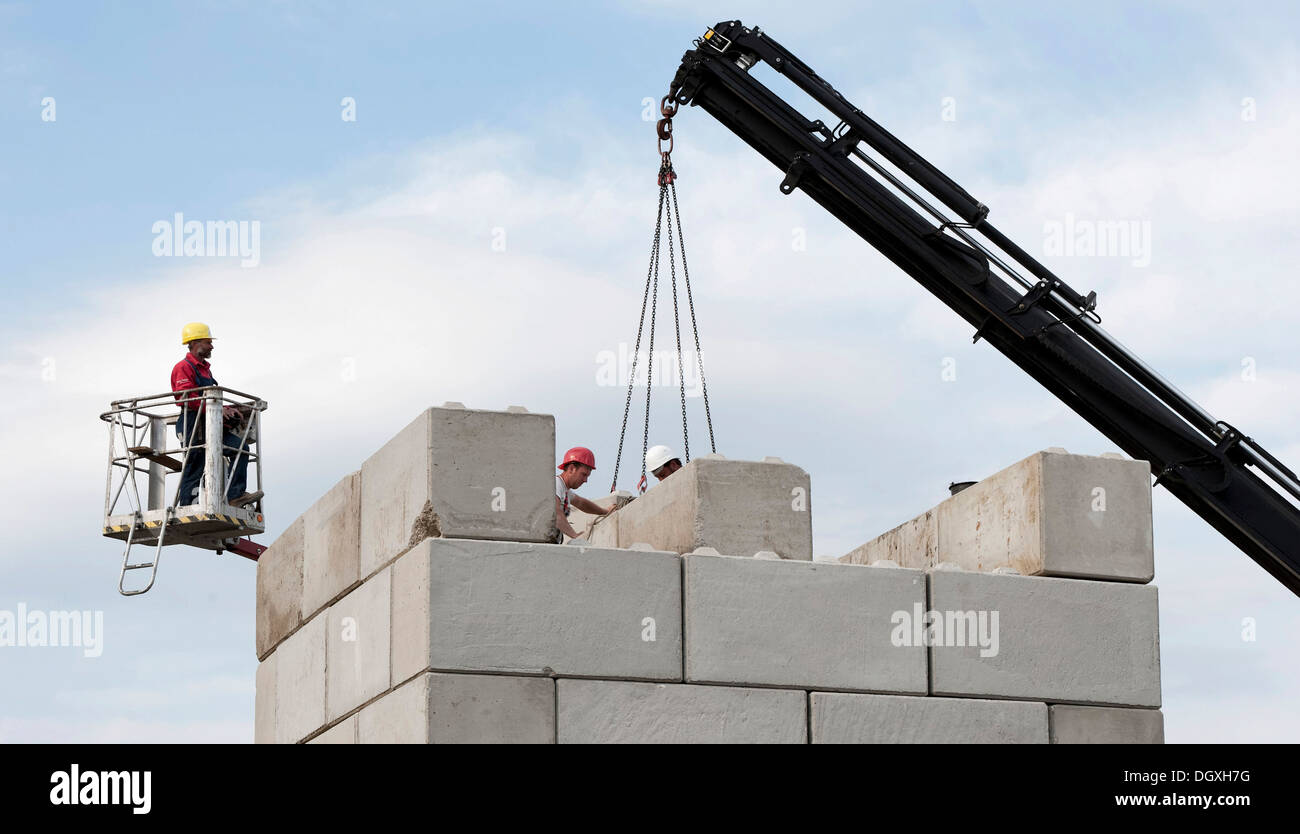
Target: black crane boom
pixel 1015 303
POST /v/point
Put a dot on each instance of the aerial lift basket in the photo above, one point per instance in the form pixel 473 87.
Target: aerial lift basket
pixel 143 446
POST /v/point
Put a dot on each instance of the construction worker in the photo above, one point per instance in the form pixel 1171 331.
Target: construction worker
pixel 194 372
pixel 577 466
pixel 661 462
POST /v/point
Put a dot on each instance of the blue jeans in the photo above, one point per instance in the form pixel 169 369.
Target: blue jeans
pixel 192 473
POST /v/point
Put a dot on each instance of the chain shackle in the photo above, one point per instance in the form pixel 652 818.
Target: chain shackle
pixel 664 132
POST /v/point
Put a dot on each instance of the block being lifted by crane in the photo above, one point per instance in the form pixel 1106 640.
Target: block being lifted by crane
pixel 139 449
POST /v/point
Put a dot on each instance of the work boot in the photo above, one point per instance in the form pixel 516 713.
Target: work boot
pixel 246 498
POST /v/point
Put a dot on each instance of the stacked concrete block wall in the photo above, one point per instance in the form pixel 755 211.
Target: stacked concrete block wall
pixel 444 639
pixel 1059 547
pixel 323 614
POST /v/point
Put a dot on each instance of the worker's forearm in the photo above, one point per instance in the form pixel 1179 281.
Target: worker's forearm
pixel 587 506
pixel 562 524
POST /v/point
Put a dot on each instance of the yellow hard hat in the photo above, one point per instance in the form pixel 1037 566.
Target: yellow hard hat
pixel 194 330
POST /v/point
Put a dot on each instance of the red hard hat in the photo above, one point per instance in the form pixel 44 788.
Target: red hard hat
pixel 578 454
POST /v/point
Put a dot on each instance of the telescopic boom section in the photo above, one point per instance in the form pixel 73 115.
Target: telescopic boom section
pixel 1014 302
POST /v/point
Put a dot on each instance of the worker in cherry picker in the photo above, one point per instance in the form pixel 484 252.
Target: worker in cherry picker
pixel 194 371
pixel 662 461
pixel 577 466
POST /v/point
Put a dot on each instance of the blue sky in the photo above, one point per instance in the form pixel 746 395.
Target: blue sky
pixel 376 250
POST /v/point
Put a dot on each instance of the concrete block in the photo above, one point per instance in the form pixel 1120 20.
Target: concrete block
pixel 619 712
pixel 300 683
pixel 842 718
pixel 399 717
pixel 279 589
pixel 584 522
pixel 461 605
pixel 463 709
pixel 738 507
pixel 1106 725
pixel 800 624
pixel 912 544
pixel 1060 640
pixel 1051 514
pixel 1054 514
pixel 359 639
pixel 264 702
pixel 331 562
pixel 459 473
pixel 604 532
pixel 344 732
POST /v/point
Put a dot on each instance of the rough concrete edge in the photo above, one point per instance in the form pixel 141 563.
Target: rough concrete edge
pixel 928 596
pixel 302 617
pixel 1160 681
pixel 681 599
pixel 1040 472
pixel 1051 720
pixel 807 717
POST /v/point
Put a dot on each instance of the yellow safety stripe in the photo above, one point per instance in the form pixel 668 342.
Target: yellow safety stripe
pixel 189 519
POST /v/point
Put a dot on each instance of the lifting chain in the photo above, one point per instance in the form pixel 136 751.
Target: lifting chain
pixel 667 179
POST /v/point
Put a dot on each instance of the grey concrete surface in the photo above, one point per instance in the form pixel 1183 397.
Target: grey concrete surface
pixel 279 589
pixel 331 561
pixel 1106 725
pixel 619 712
pixel 300 682
pixel 1057 640
pixel 264 701
pixel 358 645
pixel 438 708
pixel 912 544
pixel 464 605
pixel 800 624
pixel 344 732
pixel 845 718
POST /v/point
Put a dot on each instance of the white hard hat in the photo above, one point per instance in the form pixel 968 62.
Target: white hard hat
pixel 657 457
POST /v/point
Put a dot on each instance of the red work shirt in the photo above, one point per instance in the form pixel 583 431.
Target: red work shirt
pixel 191 372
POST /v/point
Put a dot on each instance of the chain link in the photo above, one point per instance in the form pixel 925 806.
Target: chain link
pixel 699 354
pixel 677 325
pixel 642 485
pixel 636 351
